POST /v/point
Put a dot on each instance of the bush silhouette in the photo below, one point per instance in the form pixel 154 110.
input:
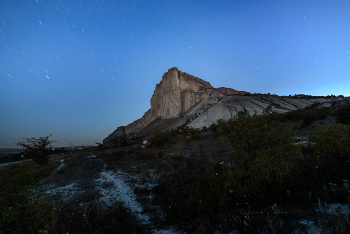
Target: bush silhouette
pixel 37 149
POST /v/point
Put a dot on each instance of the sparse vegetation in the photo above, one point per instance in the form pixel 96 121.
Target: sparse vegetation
pixel 252 174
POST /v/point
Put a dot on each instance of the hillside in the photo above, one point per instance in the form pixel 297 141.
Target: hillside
pixel 182 99
pixel 269 173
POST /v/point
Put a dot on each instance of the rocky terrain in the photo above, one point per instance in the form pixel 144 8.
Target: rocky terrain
pixel 281 172
pixel 181 98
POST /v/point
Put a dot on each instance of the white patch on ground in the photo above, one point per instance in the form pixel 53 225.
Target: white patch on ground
pixel 336 208
pixel 113 187
pixel 168 231
pixel 312 229
pixel 119 191
pixel 62 165
pixel 66 192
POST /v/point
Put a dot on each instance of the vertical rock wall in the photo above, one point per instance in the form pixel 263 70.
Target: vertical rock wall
pixel 165 99
pixel 175 94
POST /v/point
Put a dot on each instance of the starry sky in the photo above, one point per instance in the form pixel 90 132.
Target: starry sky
pixel 80 68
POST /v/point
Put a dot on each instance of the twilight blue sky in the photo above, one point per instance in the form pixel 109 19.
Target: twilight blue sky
pixel 80 68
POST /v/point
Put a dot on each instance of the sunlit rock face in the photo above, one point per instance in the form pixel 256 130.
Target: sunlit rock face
pixel 176 93
pixel 231 105
pixel 181 98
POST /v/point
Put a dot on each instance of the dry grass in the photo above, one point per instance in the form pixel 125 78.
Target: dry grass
pixel 164 178
pixel 333 220
pixel 76 169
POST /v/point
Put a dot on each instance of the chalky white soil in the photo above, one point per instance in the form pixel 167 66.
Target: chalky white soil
pixel 120 186
pixel 113 187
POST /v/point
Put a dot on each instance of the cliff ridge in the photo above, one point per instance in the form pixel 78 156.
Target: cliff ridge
pixel 176 93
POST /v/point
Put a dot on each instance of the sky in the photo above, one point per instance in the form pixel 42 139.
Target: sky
pixel 81 68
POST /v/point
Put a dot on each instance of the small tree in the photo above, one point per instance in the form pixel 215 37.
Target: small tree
pixel 37 149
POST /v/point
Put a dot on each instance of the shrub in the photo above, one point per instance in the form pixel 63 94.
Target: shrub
pixel 260 163
pixel 308 115
pixel 194 133
pixel 343 114
pixel 218 127
pixel 160 139
pixel 37 149
pixel 329 154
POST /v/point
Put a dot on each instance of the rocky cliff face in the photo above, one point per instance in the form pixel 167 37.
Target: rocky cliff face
pixel 181 98
pixel 176 93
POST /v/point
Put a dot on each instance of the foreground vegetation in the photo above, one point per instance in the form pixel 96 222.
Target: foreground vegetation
pixel 269 181
pixel 252 174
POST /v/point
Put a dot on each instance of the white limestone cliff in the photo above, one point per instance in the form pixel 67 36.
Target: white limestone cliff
pixel 175 94
pixel 180 98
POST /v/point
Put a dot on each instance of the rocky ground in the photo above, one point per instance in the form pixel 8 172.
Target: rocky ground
pixel 131 175
pixel 152 182
pixel 125 174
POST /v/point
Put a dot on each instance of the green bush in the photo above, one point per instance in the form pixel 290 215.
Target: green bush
pixel 328 155
pixel 266 172
pixel 218 127
pixel 160 139
pixel 343 114
pixel 194 133
pixel 308 115
pixel 259 166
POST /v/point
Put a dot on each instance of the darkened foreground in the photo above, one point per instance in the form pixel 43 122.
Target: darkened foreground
pixel 274 173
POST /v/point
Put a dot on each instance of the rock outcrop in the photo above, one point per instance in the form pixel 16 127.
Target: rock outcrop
pixel 176 93
pixel 229 91
pixel 181 98
pixel 228 107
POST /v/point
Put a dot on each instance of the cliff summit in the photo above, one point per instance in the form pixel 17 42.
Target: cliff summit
pixel 176 93
pixel 181 98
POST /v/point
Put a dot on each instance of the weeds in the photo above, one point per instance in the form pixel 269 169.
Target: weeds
pixel 50 217
pixel 245 174
pixel 265 169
